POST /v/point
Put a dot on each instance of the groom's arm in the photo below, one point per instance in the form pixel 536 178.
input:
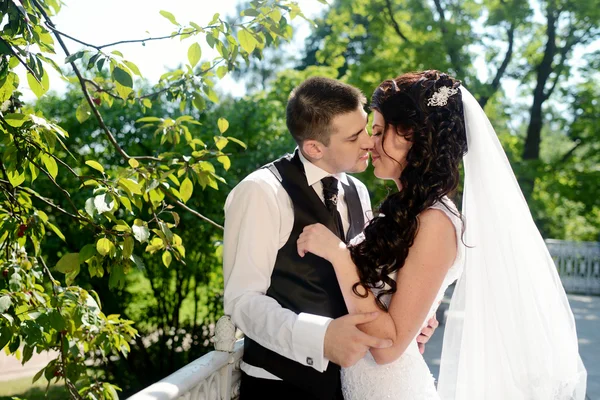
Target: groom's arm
pixel 251 244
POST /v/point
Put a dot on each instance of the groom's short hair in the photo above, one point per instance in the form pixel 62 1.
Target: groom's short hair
pixel 315 102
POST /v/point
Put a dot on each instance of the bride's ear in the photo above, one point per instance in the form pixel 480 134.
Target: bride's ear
pixel 312 149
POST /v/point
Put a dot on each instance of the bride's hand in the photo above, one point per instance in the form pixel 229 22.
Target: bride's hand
pixel 319 240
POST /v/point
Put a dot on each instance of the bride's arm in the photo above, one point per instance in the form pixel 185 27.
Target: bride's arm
pixel 418 281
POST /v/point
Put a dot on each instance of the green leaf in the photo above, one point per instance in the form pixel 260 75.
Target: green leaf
pixel 140 230
pixel 15 120
pixel 38 375
pixel 250 12
pixel 169 16
pixel 212 96
pixel 149 119
pixel 5 303
pixel 83 112
pixel 133 163
pixel 15 178
pixel 237 141
pixel 90 207
pixel 51 165
pixel 137 261
pixel 34 172
pixel 103 246
pixel 57 231
pixel 275 15
pixel 167 258
pixel 123 91
pixel 221 142
pixel 131 185
pixel 222 71
pixel 104 203
pixel 247 40
pixel 223 125
pixel 96 165
pixel 127 247
pixel 123 77
pixel 225 161
pixel 27 353
pixel 39 88
pixel 68 263
pixel 8 86
pixel 74 56
pixel 199 102
pixel 87 252
pixel 5 336
pixel 133 67
pixel 109 391
pixel 194 54
pixel 186 189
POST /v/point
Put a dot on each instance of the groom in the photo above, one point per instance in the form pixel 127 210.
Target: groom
pixel 298 331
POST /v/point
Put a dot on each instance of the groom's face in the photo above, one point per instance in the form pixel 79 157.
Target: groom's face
pixel 349 145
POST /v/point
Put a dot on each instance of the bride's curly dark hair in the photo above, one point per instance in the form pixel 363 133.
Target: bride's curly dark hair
pixel 431 171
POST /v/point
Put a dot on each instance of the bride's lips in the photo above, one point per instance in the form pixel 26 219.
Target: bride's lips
pixel 374 157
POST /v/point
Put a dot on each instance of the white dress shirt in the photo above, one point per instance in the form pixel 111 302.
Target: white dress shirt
pixel 259 217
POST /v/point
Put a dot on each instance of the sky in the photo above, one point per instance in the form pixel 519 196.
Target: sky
pixel 101 22
pixel 107 21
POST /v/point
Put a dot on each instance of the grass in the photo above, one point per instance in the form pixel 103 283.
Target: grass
pixel 24 389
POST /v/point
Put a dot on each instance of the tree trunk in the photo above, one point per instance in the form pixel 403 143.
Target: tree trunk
pixel 544 69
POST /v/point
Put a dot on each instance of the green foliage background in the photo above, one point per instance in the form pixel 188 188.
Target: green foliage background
pixel 174 300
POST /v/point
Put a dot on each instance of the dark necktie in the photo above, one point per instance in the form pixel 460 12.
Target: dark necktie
pixel 330 193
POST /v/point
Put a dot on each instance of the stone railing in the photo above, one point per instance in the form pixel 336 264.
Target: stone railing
pixel 214 376
pixel 578 265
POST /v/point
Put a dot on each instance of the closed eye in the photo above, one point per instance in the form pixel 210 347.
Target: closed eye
pixel 378 133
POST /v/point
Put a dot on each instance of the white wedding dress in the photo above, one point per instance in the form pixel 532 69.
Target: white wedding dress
pixel 407 378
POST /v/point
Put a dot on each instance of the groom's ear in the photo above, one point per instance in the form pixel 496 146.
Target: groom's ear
pixel 313 149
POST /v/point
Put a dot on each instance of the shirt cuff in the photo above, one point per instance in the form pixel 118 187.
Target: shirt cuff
pixel 308 337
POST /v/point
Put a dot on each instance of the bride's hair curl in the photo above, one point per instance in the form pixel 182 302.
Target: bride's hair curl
pixel 439 142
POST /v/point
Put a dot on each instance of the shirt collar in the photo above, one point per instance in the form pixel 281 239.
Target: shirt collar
pixel 314 174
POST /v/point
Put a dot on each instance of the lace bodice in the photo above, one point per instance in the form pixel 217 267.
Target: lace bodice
pixel 408 377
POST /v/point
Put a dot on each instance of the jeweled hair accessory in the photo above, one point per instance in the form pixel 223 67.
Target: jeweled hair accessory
pixel 440 98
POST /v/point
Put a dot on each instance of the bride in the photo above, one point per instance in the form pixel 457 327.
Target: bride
pixel 510 332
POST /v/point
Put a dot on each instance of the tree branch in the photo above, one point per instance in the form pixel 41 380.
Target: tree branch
pixel 100 47
pixel 395 24
pixel 175 84
pixel 58 160
pixel 569 153
pixel 192 211
pixel 45 200
pixel 571 41
pixel 453 52
pixel 86 94
pixel 495 85
pixel 27 67
pixel 101 89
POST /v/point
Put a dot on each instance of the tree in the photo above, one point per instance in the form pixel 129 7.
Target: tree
pixel 487 44
pixel 568 25
pixel 122 206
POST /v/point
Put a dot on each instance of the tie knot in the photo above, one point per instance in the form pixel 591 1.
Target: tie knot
pixel 330 192
pixel 330 184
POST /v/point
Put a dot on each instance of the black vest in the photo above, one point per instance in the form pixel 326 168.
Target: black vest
pixel 306 284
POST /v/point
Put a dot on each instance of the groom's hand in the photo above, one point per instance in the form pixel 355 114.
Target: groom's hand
pixel 345 344
pixel 427 333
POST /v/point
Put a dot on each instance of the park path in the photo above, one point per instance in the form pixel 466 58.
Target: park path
pixel 586 310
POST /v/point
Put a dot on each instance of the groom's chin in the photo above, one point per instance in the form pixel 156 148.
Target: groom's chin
pixel 361 166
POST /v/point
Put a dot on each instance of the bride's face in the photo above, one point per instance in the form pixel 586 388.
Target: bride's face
pixel 389 153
